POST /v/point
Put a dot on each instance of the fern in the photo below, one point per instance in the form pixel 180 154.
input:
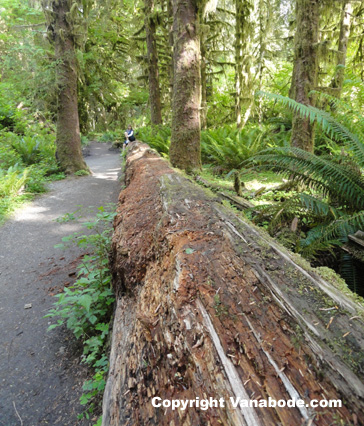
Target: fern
pixel 316 173
pixel 157 137
pixel 319 207
pixel 334 204
pixel 350 134
pixel 229 147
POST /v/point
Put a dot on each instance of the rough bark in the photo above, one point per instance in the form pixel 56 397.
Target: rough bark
pixel 185 151
pixel 203 85
pixel 238 63
pixel 68 139
pixel 304 78
pixel 209 306
pixel 243 78
pixel 152 56
pixel 345 24
pixel 171 43
pixel 265 21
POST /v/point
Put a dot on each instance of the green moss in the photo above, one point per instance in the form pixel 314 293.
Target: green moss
pixel 82 172
pixel 219 307
pixel 333 278
pixel 298 337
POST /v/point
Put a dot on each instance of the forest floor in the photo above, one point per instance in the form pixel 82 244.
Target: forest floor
pixel 41 374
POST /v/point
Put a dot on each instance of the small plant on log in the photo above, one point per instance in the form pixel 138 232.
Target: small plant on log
pixel 220 309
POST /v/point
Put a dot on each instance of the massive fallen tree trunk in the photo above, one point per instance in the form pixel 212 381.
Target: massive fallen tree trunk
pixel 209 306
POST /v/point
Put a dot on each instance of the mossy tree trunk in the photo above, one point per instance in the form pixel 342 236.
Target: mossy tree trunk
pixel 203 83
pixel 345 24
pixel 243 79
pixel 185 151
pixel 153 74
pixel 238 63
pixel 170 45
pixel 68 139
pixel 304 78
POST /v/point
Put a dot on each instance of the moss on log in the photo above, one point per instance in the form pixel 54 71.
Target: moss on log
pixel 210 306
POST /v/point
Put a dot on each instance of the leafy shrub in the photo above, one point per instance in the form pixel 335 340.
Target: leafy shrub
pixel 18 152
pixel 84 140
pixel 108 137
pixel 36 180
pixel 86 307
pixel 11 119
pixel 8 156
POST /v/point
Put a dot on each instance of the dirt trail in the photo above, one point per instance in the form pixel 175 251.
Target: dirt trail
pixel 40 372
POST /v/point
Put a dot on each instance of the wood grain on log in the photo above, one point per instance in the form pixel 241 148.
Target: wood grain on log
pixel 209 306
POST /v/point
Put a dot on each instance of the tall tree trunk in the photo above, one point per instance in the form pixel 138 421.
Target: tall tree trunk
pixel 243 81
pixel 203 84
pixel 345 24
pixel 68 139
pixel 305 70
pixel 153 74
pixel 185 151
pixel 264 24
pixel 238 61
pixel 171 43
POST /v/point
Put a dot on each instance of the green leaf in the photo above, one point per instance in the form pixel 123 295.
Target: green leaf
pixel 189 251
pixel 86 301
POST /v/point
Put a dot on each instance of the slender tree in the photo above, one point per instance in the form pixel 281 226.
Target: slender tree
pixel 203 82
pixel 61 16
pixel 345 24
pixel 305 70
pixel 152 58
pixel 243 78
pixel 170 47
pixel 185 151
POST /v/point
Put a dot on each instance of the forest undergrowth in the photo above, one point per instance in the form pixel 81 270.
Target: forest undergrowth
pixel 86 307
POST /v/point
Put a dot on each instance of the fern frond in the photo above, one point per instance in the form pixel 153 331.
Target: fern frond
pixel 337 230
pixel 315 172
pixel 330 125
pixel 318 207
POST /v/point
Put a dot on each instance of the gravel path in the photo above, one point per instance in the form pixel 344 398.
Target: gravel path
pixel 40 372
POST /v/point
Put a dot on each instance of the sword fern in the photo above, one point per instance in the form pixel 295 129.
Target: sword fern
pixel 335 206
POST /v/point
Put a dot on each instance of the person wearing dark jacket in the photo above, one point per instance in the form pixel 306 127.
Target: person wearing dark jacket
pixel 129 136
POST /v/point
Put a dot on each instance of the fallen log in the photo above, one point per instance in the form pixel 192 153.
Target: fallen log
pixel 209 306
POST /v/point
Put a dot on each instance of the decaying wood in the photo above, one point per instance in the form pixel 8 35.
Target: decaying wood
pixel 238 184
pixel 238 202
pixel 358 238
pixel 209 306
pixel 259 191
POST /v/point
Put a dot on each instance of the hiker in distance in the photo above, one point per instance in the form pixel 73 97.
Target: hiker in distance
pixel 129 136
